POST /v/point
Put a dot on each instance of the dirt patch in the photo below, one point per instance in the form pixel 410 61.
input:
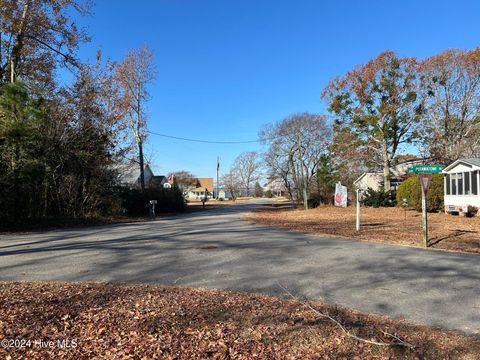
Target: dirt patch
pixel 112 321
pixel 386 225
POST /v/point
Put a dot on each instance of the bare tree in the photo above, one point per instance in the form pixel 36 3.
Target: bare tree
pixel 247 167
pixel 276 162
pixel 231 183
pixel 184 179
pixel 451 88
pixel 134 75
pixel 296 145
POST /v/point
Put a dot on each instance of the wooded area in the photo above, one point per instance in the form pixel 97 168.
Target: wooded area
pixel 60 141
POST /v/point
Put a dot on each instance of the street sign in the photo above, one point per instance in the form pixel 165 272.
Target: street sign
pixel 425 181
pixel 425 169
pixel 425 175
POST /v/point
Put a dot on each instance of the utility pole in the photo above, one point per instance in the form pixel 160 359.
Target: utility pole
pixel 218 168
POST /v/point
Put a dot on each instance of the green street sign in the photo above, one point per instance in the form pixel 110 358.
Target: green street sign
pixel 425 169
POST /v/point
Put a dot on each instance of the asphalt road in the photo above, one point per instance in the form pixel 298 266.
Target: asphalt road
pixel 216 249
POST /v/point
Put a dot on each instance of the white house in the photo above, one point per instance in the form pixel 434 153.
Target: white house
pixel 372 180
pixel 461 186
pixel 203 186
pixel 276 186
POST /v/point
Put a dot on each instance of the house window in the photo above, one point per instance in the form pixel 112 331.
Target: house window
pixel 460 183
pixel 454 184
pixel 447 184
pixel 466 176
pixel 475 183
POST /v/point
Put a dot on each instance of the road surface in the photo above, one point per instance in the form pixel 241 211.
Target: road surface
pixel 216 249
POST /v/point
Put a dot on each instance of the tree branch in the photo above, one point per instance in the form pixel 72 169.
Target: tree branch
pixel 398 341
pixel 67 58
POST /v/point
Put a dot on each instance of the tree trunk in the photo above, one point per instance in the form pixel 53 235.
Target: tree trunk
pixel 317 178
pixel 305 186
pixel 1 59
pixel 142 169
pixel 17 47
pixel 386 170
pixel 294 176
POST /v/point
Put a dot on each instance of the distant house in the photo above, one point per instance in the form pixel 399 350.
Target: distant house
pixel 276 186
pixel 129 175
pixel 461 186
pixel 198 192
pixel 374 180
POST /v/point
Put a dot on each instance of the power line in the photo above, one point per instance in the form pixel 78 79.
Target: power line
pixel 203 141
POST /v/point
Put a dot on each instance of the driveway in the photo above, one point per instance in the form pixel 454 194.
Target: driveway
pixel 216 249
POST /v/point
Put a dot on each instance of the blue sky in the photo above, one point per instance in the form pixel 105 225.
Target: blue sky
pixel 226 68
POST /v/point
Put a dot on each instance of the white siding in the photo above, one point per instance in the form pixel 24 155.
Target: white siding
pixel 370 180
pixel 463 199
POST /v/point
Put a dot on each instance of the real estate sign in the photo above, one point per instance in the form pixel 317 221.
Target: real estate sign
pixel 340 195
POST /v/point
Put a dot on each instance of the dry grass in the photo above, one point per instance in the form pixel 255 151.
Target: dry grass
pixel 115 321
pixel 386 225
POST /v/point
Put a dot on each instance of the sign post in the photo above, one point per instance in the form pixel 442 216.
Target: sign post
pixel 425 182
pixel 358 210
pixel 425 176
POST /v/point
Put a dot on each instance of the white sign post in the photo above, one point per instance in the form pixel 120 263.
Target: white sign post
pixel 358 210
pixel 425 182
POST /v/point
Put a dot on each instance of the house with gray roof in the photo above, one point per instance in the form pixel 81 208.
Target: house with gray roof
pixel 129 175
pixel 462 186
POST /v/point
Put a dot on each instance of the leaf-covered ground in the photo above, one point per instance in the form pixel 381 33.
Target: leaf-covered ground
pixel 120 321
pixel 387 225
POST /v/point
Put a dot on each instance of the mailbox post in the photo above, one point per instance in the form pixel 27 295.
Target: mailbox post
pixel 152 209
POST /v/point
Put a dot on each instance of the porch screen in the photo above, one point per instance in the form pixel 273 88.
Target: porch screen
pixel 466 176
pixel 447 184
pixel 475 183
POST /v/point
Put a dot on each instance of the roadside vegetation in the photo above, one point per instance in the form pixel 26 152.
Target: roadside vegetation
pixel 62 142
pixel 120 321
